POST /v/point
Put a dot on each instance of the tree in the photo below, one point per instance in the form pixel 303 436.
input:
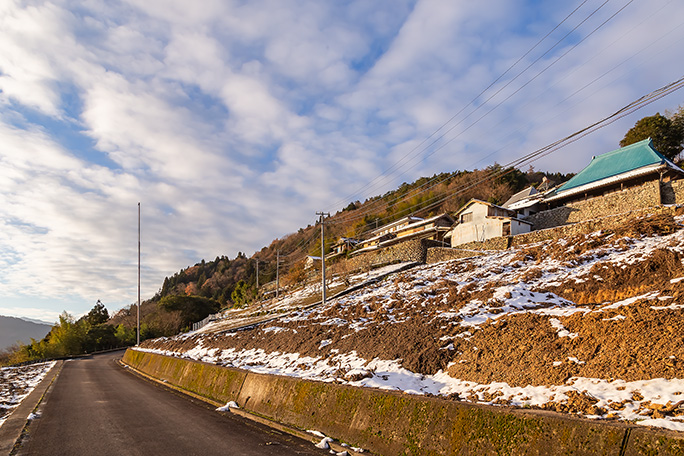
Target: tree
pixel 678 120
pixel 243 294
pixel 98 314
pixel 125 336
pixel 667 135
pixel 191 308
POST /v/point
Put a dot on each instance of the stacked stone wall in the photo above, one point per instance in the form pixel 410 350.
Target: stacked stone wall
pixel 616 202
pixel 497 243
pixel 414 250
pixel 610 222
pixel 439 254
pixel 678 188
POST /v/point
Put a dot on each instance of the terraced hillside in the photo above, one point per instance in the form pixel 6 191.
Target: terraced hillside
pixel 590 324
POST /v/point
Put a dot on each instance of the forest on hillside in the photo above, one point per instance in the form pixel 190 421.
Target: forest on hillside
pixel 193 293
pixel 225 282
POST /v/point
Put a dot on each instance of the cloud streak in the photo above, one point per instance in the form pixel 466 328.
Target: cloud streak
pixel 234 123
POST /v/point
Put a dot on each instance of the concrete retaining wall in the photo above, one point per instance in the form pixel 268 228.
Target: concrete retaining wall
pixel 391 423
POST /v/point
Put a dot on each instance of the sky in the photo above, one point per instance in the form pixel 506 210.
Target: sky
pixel 233 122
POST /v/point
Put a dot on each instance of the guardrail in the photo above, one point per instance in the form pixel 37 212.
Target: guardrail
pixel 200 324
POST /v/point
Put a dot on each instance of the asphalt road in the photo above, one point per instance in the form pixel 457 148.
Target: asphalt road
pixel 96 407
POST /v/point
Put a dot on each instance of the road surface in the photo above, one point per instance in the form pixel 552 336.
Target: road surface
pixel 97 407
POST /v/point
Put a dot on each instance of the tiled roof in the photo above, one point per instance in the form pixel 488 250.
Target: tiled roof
pixel 524 194
pixel 612 166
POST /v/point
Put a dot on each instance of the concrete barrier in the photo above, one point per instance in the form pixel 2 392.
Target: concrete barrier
pixel 393 423
pixel 207 380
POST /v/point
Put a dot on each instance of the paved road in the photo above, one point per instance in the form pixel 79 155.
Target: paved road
pixel 96 407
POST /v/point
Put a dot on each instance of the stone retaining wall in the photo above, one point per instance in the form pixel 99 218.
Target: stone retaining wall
pixel 678 189
pixel 392 423
pixel 638 197
pixel 413 251
pixel 438 254
pixel 609 222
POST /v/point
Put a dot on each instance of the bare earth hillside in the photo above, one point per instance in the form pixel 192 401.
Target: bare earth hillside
pixel 590 325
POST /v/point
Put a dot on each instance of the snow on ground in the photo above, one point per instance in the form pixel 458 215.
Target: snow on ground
pixel 16 383
pixel 514 285
pixel 389 375
pixel 288 301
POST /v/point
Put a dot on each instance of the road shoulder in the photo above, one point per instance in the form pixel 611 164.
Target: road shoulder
pixel 12 429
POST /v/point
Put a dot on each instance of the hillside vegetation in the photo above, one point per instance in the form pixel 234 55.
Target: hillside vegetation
pixel 588 324
pixel 232 283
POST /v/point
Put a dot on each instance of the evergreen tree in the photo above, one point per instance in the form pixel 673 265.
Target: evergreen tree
pixel 667 135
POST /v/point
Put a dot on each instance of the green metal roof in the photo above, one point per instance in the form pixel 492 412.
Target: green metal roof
pixel 624 160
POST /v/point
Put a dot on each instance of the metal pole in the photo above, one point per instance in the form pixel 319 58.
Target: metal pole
pixel 138 319
pixel 323 254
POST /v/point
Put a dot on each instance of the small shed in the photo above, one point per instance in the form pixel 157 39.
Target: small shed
pixel 312 262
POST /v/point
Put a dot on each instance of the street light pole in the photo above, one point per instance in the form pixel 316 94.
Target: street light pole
pixel 138 319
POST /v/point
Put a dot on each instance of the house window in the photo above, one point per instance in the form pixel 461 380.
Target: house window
pixel 465 218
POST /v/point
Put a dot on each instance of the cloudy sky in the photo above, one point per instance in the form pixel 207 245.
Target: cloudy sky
pixel 232 122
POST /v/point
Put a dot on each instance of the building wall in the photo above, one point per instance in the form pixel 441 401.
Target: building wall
pixel 502 243
pixel 631 198
pixel 518 227
pixel 481 227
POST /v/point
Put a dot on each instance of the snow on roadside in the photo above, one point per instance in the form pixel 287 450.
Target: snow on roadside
pixel 16 383
pixel 626 400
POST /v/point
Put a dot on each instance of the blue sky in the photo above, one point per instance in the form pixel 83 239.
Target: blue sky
pixel 233 122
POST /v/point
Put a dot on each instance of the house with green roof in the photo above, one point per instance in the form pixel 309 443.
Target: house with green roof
pixel 625 167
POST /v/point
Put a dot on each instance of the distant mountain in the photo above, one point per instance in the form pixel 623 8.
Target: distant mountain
pixel 14 329
pixel 40 322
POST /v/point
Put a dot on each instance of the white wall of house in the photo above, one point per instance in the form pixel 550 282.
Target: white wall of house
pixel 476 224
pixel 518 227
pixel 476 230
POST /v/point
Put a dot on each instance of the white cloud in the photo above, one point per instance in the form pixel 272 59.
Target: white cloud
pixel 234 122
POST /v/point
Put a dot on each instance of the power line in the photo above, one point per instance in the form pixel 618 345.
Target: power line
pixel 557 145
pixel 527 83
pixel 396 165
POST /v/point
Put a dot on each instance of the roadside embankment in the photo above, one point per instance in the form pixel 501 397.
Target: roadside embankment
pixel 390 423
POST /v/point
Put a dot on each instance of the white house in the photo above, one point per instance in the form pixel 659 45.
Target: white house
pixel 479 220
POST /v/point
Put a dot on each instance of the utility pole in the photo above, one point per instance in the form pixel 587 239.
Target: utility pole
pixel 138 319
pixel 277 272
pixel 321 214
pixel 257 267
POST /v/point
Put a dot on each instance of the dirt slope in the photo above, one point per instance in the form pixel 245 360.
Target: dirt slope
pixel 605 306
